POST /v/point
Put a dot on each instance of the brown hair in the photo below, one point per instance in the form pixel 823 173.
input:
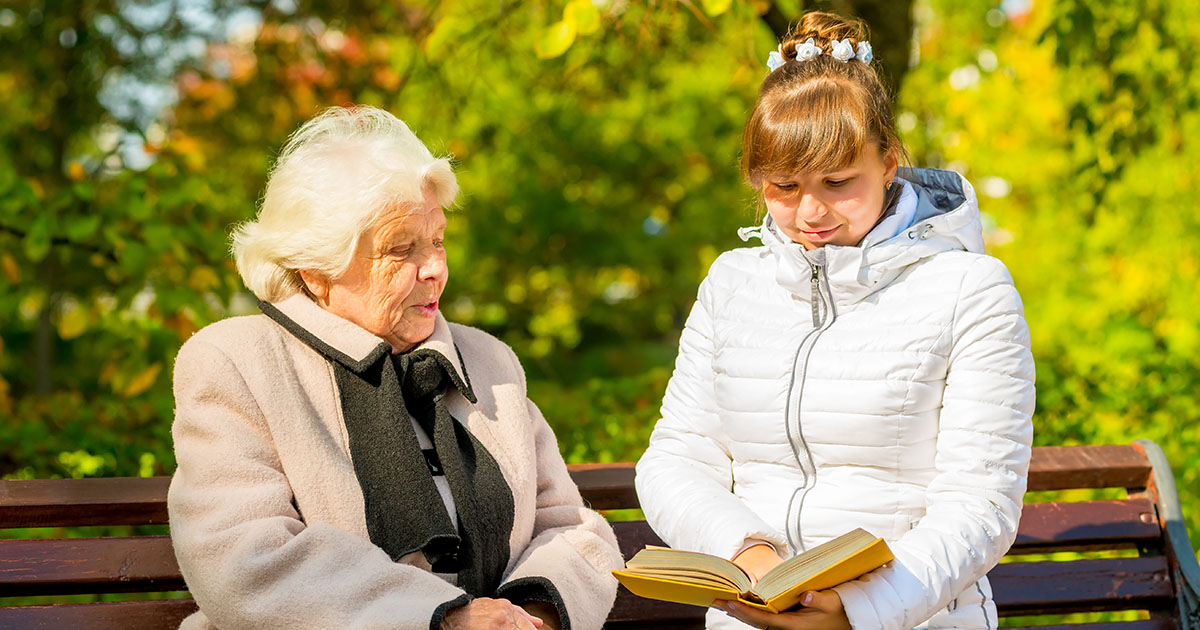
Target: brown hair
pixel 818 115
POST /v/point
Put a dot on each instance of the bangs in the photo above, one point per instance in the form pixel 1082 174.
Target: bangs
pixel 818 127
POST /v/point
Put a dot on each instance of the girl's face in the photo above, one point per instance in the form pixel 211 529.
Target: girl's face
pixel 837 207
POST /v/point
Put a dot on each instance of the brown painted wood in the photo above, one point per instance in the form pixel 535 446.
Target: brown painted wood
pixel 1145 624
pixel 149 615
pixel 88 565
pixel 1105 466
pixel 1087 525
pixel 1035 588
pixel 79 502
pixel 606 486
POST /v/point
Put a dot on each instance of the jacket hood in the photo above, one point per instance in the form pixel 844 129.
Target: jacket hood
pixel 937 212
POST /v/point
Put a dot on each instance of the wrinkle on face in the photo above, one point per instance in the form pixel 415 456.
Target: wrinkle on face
pixel 397 276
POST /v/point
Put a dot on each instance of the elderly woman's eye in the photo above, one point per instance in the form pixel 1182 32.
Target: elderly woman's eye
pixel 400 251
pixel 437 242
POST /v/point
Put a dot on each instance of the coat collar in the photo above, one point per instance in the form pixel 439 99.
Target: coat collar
pixel 937 212
pixel 341 340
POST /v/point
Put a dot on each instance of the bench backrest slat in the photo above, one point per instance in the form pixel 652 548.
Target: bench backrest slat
pixel 1036 588
pixel 141 501
pixel 1117 524
pixel 88 565
pixel 1099 466
pixel 147 615
pixel 83 502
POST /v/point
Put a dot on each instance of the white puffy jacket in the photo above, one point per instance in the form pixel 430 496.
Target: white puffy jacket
pixel 888 387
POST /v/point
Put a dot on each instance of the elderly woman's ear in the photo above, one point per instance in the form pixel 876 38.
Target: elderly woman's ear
pixel 316 283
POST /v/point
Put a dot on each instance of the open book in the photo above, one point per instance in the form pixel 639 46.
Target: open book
pixel 689 577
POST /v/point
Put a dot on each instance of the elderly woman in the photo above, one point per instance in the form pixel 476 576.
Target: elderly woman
pixel 348 459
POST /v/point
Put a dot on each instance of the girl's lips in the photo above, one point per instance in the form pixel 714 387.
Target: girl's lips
pixel 821 234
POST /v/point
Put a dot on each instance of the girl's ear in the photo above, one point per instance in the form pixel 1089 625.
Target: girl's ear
pixel 316 283
pixel 891 162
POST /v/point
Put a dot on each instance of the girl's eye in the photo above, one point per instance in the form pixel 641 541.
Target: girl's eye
pixel 785 186
pixel 834 183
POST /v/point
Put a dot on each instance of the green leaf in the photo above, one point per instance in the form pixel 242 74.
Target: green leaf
pixel 716 7
pixel 158 236
pixel 584 14
pixel 82 228
pixel 555 40
pixel 37 240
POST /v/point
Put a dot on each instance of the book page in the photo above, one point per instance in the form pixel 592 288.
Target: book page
pixel 688 566
pixel 798 573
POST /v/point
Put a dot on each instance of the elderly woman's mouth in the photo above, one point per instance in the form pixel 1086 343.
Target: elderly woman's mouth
pixel 428 309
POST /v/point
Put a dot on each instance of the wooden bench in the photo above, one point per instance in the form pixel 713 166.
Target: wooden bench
pixel 1132 552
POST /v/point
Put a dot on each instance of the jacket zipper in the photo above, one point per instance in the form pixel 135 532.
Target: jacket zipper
pixel 805 350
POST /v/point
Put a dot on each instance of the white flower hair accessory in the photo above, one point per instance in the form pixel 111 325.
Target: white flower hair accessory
pixel 807 50
pixel 775 59
pixel 864 53
pixel 842 50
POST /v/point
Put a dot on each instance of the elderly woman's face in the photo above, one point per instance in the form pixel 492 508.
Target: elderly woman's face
pixel 393 285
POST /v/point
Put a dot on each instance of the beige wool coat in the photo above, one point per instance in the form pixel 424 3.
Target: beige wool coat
pixel 267 514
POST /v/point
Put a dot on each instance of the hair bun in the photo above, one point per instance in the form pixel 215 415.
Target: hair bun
pixel 823 28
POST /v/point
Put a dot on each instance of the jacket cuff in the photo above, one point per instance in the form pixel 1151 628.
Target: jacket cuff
pixel 859 610
pixel 535 589
pixel 439 613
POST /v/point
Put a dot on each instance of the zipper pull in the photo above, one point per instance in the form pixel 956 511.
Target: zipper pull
pixel 816 296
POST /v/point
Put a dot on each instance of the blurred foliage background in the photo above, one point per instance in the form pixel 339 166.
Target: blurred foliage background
pixel 596 143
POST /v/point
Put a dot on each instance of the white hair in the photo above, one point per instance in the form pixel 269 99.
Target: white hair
pixel 339 174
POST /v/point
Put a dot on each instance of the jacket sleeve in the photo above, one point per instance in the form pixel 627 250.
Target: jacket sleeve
pixel 974 502
pixel 685 478
pixel 248 558
pixel 569 560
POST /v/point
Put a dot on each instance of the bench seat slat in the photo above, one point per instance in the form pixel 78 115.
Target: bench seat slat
pixel 141 615
pixel 88 565
pixel 1034 588
pixel 1056 526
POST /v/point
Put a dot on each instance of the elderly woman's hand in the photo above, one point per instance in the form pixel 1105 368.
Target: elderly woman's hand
pixel 490 614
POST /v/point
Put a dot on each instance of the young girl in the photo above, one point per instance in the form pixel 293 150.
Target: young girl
pixel 867 366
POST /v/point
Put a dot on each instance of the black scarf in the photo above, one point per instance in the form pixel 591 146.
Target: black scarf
pixel 404 511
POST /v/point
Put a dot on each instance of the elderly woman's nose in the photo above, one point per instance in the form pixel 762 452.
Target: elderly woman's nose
pixel 434 265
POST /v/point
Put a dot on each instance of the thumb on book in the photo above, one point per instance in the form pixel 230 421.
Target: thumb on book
pixel 824 601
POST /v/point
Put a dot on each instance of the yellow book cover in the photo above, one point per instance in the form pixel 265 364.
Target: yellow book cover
pixel 698 579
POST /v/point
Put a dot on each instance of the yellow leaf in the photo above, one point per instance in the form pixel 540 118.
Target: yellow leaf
pixel 142 382
pixel 73 322
pixel 555 40
pixel 11 270
pixel 75 172
pixel 716 7
pixel 584 14
pixel 203 278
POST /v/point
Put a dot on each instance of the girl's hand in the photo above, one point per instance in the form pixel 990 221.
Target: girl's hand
pixel 490 614
pixel 756 561
pixel 546 612
pixel 822 611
